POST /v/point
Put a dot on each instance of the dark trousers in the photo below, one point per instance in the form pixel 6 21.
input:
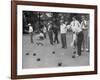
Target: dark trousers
pixel 50 34
pixel 44 35
pixel 79 42
pixel 63 40
pixel 31 37
pixel 85 39
pixel 56 37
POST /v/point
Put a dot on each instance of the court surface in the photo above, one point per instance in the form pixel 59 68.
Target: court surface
pixel 35 55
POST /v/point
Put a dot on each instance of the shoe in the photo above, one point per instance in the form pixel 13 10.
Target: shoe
pixel 74 52
pixel 52 44
pixel 62 47
pixel 76 55
pixel 79 54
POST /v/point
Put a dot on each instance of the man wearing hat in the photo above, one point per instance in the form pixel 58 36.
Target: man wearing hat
pixel 30 32
pixel 63 33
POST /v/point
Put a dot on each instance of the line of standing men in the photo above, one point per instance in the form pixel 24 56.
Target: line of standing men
pixel 80 33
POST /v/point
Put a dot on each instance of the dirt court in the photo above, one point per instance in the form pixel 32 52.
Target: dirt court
pixel 46 55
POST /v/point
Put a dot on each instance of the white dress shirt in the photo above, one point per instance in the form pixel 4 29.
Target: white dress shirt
pixel 75 26
pixel 63 28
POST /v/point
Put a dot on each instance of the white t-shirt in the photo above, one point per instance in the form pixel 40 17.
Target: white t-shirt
pixel 30 29
pixel 75 26
pixel 63 28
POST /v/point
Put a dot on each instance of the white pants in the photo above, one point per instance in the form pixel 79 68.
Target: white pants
pixel 74 40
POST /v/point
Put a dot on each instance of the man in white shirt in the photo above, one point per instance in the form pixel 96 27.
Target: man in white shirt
pixel 84 26
pixel 77 35
pixel 31 32
pixel 63 34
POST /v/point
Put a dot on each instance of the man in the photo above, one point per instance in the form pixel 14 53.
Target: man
pixel 30 32
pixel 63 34
pixel 44 31
pixel 84 26
pixel 55 30
pixel 40 36
pixel 50 32
pixel 77 35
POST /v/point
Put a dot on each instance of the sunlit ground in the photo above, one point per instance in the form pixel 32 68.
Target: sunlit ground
pixel 46 55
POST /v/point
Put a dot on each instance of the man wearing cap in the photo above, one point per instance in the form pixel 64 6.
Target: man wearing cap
pixel 63 33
